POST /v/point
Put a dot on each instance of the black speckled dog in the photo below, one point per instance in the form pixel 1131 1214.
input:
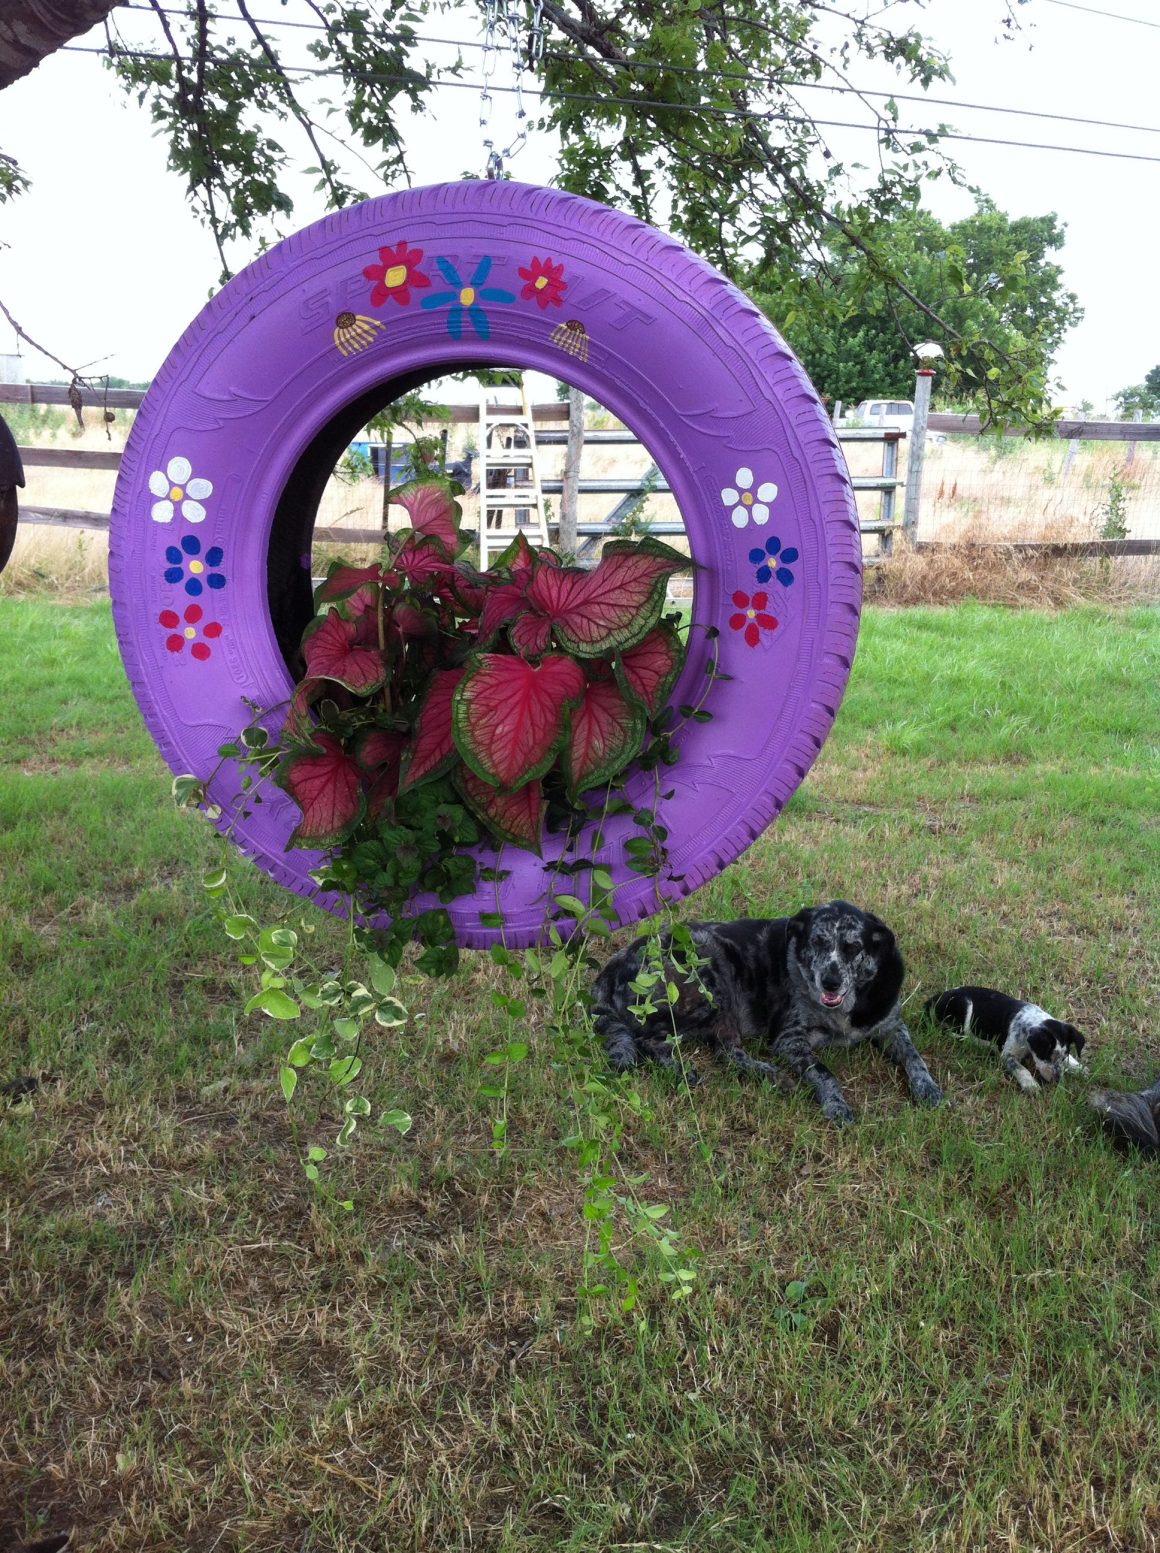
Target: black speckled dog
pixel 1132 1118
pixel 827 978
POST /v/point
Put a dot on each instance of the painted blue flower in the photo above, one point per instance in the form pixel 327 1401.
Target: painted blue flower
pixel 768 566
pixel 188 566
pixel 465 299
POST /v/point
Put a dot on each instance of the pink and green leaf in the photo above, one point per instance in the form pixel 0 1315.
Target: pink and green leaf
pixel 510 717
pixel 423 561
pixel 516 817
pixel 342 580
pixel 503 603
pixel 605 733
pixel 431 748
pixel 648 671
pixel 333 649
pixel 326 784
pixel 299 726
pixel 376 749
pixel 517 561
pixel 470 587
pixel 613 606
pixel 433 511
pixel 531 635
pixel 379 753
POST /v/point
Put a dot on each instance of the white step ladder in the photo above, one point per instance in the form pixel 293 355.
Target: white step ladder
pixel 511 497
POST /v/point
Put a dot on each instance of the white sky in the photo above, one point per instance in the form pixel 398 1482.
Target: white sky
pixel 106 260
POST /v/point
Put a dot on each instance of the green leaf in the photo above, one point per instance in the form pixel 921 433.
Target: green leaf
pixel 382 976
pixel 390 1014
pixel 344 1070
pixel 572 904
pixel 315 1153
pixel 397 1119
pixel 300 1053
pixel 187 791
pixel 347 1028
pixel 288 1078
pixel 274 1002
pixel 238 927
pixel 357 1105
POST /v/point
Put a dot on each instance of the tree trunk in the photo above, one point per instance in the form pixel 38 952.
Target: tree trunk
pixel 570 500
pixel 32 29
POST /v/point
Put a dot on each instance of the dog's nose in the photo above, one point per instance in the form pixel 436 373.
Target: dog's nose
pixel 831 979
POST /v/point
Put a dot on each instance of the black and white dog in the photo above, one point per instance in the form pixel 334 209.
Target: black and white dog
pixel 826 978
pixel 1023 1032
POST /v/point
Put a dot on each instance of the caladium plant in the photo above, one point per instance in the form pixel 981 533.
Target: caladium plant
pixel 440 702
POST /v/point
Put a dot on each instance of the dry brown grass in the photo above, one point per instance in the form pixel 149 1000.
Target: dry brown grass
pixel 987 567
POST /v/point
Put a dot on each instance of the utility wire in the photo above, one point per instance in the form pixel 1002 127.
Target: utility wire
pixel 742 77
pixel 1113 16
pixel 884 130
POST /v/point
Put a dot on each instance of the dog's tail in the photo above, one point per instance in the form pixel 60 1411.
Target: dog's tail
pixel 1130 1117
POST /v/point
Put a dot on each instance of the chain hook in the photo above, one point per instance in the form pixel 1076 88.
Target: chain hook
pixel 511 14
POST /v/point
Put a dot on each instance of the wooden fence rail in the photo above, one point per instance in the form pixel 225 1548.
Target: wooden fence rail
pixel 554 412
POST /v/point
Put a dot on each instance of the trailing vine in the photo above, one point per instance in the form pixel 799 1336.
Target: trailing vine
pixel 440 709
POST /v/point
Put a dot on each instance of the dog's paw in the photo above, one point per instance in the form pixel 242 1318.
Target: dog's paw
pixel 838 1112
pixel 926 1091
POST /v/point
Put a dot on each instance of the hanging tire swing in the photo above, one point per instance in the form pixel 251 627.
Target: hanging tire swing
pixel 234 442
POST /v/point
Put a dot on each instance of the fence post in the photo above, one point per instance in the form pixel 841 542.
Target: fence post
pixel 1137 417
pixel 570 496
pixel 922 382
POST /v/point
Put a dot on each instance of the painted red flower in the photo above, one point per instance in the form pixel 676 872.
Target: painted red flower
pixel 545 283
pixel 180 634
pixel 751 617
pixel 396 272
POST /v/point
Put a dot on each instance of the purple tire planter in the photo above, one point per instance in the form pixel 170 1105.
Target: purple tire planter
pixel 221 476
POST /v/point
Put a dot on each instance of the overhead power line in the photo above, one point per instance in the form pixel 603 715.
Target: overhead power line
pixel 1112 16
pixel 724 76
pixel 704 110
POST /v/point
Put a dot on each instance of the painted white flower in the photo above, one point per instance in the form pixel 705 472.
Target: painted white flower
pixel 745 502
pixel 174 486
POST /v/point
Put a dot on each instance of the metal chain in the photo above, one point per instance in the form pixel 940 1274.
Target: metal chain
pixel 513 18
pixel 490 56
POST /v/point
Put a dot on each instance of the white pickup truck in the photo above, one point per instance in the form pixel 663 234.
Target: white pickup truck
pixel 883 412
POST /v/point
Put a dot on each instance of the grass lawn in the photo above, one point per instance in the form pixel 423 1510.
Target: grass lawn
pixel 199 1351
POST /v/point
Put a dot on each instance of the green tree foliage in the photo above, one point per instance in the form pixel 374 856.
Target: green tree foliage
pixel 1138 396
pixel 684 112
pixel 987 275
pixel 1152 382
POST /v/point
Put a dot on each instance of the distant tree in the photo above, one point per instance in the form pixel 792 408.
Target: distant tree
pixel 1152 382
pixel 989 273
pixel 1138 396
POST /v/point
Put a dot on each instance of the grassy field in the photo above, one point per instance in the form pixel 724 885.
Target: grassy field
pixel 201 1352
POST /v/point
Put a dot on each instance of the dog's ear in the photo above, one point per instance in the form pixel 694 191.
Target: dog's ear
pixel 1043 1040
pixel 877 936
pixel 798 927
pixel 1072 1037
